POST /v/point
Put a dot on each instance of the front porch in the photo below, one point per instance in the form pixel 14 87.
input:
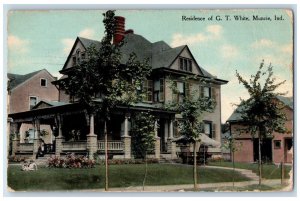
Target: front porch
pixel 74 131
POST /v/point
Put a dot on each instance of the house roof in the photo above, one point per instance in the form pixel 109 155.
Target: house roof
pixel 49 103
pixel 160 54
pixel 236 115
pixel 16 79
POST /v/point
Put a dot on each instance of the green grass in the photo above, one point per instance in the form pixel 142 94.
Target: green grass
pixel 119 176
pixel 269 171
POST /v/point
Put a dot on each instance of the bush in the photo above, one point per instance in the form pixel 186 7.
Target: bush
pixel 71 161
pixel 16 159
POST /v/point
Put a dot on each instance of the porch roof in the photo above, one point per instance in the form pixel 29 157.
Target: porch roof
pixel 72 108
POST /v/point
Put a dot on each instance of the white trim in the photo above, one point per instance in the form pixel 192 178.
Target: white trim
pixel 46 84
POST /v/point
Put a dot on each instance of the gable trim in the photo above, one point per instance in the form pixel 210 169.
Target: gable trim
pixel 193 58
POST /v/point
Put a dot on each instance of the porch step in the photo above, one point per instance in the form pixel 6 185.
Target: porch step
pixel 163 159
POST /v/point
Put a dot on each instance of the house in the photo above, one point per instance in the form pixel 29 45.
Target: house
pixel 71 121
pixel 276 149
pixel 24 92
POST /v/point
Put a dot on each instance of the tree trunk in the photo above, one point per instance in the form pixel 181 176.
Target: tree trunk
pixel 146 171
pixel 259 158
pixel 106 156
pixel 195 167
pixel 233 169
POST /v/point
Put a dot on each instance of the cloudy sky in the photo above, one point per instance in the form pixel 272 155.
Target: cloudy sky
pixel 42 39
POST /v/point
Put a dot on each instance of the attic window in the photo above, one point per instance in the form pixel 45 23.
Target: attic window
pixel 43 82
pixel 185 64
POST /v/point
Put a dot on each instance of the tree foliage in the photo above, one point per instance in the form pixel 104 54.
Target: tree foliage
pixel 191 108
pixel 143 134
pixel 262 112
pixel 104 76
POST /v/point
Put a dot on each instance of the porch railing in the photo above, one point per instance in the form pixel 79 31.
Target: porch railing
pixel 76 146
pixel 111 145
pixel 27 147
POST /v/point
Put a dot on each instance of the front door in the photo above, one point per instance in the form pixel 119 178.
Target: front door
pixel 266 150
pixel 288 142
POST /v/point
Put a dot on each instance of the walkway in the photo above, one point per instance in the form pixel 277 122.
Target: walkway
pixel 182 188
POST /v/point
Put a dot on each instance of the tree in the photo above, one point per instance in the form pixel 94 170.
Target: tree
pixel 231 144
pixel 261 113
pixel 143 137
pixel 191 108
pixel 104 77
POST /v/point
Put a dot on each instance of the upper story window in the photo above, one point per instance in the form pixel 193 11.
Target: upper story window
pixel 207 92
pixel 43 82
pixel 78 57
pixel 185 64
pixel 32 101
pixel 159 89
pixel 183 90
pixel 148 90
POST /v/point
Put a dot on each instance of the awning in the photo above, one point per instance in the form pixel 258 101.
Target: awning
pixel 203 139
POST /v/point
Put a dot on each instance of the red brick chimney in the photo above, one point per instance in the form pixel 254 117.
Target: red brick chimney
pixel 119 29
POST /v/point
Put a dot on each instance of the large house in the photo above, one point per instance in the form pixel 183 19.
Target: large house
pixel 275 149
pixel 71 122
pixel 24 92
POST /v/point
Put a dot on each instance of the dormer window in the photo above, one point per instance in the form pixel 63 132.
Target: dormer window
pixel 185 64
pixel 78 57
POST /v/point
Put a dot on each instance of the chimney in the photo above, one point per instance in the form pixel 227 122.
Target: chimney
pixel 129 31
pixel 119 29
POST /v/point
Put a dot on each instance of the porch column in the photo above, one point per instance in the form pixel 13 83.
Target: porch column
pixel 92 139
pixel 171 144
pixel 126 139
pixel 59 139
pixel 14 130
pixel 157 142
pixel 36 140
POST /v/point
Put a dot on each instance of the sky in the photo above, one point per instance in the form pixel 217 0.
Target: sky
pixel 43 39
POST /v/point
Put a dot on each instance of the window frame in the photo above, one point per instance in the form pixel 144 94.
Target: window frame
pixel 185 64
pixel 210 123
pixel 36 98
pixel 46 82
pixel 276 146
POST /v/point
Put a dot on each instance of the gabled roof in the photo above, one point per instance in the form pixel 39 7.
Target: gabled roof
pixel 16 79
pixel 160 54
pixel 236 115
pixel 49 103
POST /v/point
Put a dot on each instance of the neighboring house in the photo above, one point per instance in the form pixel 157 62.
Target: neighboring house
pixel 277 149
pixel 24 92
pixel 165 62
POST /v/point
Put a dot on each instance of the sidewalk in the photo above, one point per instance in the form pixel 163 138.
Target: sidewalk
pixel 180 188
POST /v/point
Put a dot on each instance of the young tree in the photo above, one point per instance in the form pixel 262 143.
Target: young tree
pixel 261 113
pixel 143 137
pixel 191 108
pixel 231 144
pixel 104 77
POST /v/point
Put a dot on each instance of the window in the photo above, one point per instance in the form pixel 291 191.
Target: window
pixel 277 144
pixel 185 64
pixel 32 101
pixel 183 90
pixel 159 87
pixel 43 82
pixel 207 92
pixel 148 90
pixel 78 57
pixel 210 129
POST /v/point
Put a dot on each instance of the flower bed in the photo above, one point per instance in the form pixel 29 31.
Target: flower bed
pixel 71 161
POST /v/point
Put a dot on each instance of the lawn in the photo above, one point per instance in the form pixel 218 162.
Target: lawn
pixel 120 176
pixel 269 171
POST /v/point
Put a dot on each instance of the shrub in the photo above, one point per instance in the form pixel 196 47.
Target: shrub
pixel 128 161
pixel 16 159
pixel 71 161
